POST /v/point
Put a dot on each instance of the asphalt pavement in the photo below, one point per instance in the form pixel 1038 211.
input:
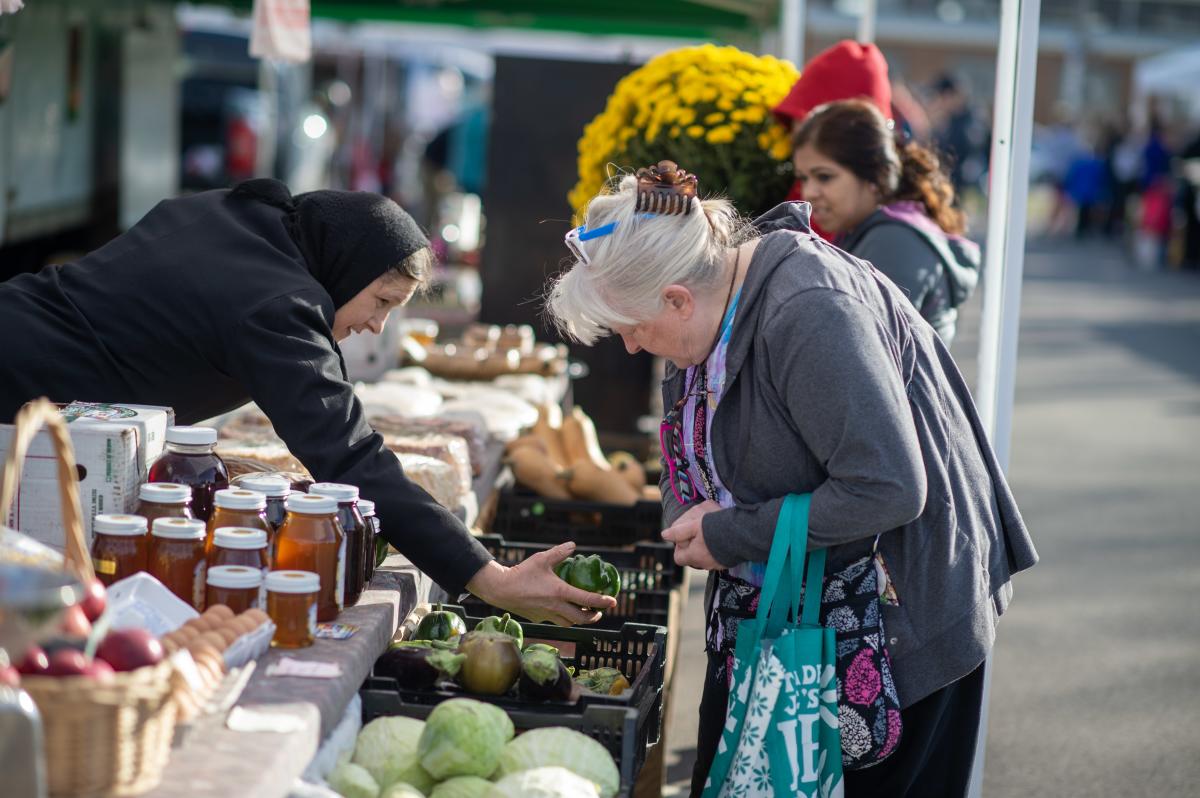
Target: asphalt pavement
pixel 1096 680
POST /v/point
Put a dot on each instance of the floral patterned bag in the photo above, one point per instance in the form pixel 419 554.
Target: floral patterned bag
pixel 868 706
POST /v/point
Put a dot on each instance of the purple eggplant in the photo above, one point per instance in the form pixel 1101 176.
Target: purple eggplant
pixel 417 666
pixel 544 678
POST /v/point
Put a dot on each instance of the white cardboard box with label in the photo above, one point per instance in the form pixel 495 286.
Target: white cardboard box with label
pixel 115 445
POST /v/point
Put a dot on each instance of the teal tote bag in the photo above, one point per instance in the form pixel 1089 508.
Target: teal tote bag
pixel 781 728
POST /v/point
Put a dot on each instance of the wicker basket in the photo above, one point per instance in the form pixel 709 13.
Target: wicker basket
pixel 110 739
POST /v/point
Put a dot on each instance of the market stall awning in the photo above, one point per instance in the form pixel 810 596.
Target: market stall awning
pixel 714 20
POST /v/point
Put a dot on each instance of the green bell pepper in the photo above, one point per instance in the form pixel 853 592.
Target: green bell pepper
pixel 590 573
pixel 503 624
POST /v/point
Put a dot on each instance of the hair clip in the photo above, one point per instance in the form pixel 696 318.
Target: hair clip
pixel 665 189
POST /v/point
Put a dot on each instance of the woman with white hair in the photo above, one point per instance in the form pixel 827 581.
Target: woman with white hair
pixel 796 368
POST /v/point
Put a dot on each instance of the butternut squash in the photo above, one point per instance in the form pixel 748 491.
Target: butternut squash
pixel 547 430
pixel 592 483
pixel 528 439
pixel 580 441
pixel 629 468
pixel 535 471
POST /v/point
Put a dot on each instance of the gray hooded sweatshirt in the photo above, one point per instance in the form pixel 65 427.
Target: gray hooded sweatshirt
pixel 838 388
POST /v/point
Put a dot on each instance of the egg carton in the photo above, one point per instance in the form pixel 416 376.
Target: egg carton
pixel 249 646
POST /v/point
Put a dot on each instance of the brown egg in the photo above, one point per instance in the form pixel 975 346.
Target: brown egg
pixel 214 639
pixel 200 649
pixel 244 624
pixel 219 611
pixel 169 644
pixel 228 634
pixel 201 624
pixel 258 616
pixel 185 633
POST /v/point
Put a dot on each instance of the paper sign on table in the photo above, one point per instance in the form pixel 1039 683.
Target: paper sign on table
pixel 308 669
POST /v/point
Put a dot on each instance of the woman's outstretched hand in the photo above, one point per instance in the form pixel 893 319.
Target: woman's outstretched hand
pixel 532 590
pixel 688 536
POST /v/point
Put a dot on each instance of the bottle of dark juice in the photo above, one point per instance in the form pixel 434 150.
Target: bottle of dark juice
pixel 191 459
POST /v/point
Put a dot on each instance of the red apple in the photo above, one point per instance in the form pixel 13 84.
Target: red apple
pixel 67 662
pixel 9 676
pixel 74 622
pixel 35 663
pixel 95 599
pixel 129 649
pixel 100 670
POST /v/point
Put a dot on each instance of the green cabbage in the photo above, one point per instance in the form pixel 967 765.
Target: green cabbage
pixel 551 782
pixel 462 787
pixel 567 748
pixel 387 748
pixel 402 790
pixel 463 737
pixel 353 781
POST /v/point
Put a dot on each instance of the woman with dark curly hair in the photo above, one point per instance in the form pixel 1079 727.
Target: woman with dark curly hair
pixel 888 203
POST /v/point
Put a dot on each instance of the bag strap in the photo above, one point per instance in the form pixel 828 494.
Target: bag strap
pixel 770 618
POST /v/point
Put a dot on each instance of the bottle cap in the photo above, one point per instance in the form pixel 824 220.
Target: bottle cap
pixel 293 582
pixel 178 528
pixel 343 493
pixel 165 493
pixel 234 576
pixel 240 499
pixel 266 484
pixel 192 436
pixel 124 525
pixel 366 507
pixel 310 504
pixel 239 537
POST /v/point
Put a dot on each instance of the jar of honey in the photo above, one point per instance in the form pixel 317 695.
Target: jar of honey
pixel 355 530
pixel 177 557
pixel 311 539
pixel 191 459
pixel 235 586
pixel 164 500
pixel 119 546
pixel 240 545
pixel 276 489
pixel 292 605
pixel 372 539
pixel 238 507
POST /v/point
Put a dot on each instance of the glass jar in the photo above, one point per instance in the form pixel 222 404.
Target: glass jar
pixel 164 500
pixel 371 547
pixel 276 489
pixel 355 530
pixel 311 539
pixel 292 605
pixel 191 459
pixel 119 546
pixel 235 586
pixel 238 507
pixel 241 545
pixel 177 558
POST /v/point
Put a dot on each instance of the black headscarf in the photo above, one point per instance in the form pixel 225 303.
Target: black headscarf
pixel 348 238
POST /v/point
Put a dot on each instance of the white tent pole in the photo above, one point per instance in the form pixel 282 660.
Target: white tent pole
pixel 792 20
pixel 1012 133
pixel 866 22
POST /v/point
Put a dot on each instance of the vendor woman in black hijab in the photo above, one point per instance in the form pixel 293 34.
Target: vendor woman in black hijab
pixel 227 296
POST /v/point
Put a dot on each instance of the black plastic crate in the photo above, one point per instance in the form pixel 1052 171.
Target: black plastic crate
pixel 524 516
pixel 616 728
pixel 637 650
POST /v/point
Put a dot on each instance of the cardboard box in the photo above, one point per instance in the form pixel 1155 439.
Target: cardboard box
pixel 112 458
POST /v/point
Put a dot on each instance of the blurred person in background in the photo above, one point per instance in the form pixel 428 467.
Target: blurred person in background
pixel 1124 166
pixel 845 71
pixel 890 204
pixel 957 135
pixel 1086 184
pixel 1189 202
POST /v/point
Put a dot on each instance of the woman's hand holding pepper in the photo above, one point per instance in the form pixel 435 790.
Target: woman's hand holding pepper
pixel 687 534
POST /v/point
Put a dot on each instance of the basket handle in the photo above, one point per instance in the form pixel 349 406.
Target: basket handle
pixel 29 421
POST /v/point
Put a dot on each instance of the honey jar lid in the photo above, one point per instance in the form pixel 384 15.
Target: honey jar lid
pixel 178 528
pixel 366 507
pixel 234 576
pixel 123 525
pixel 293 582
pixel 311 504
pixel 343 493
pixel 239 537
pixel 268 485
pixel 191 436
pixel 165 493
pixel 239 499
